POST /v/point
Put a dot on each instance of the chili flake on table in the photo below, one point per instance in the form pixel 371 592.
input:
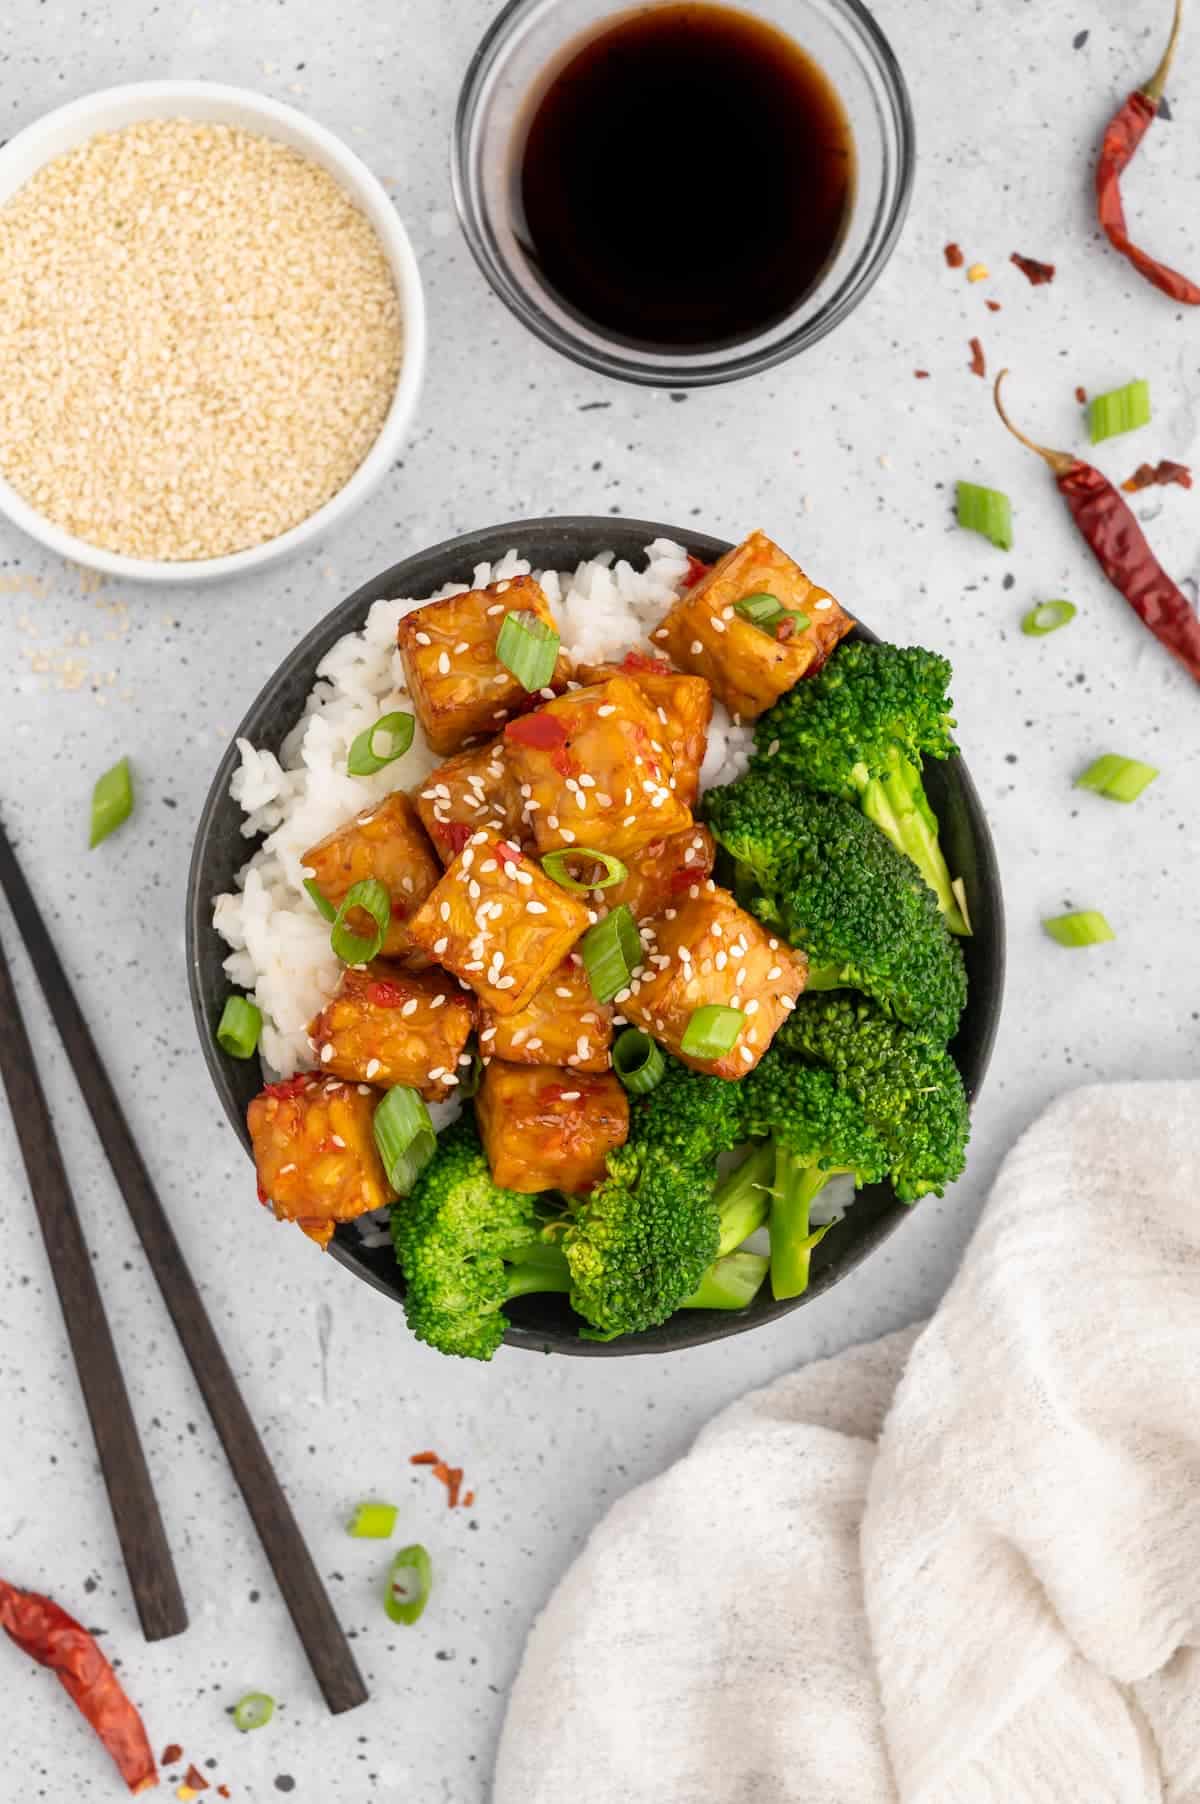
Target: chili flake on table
pixel 48 1635
pixel 978 363
pixel 1150 476
pixel 1037 273
pixel 954 257
pixel 450 1476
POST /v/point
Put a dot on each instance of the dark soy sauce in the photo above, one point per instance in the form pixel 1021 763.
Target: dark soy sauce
pixel 685 178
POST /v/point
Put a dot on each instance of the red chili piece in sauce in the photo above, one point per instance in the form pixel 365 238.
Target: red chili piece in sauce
pixel 696 568
pixel 541 730
pixel 646 662
pixel 1119 546
pixel 1038 273
pixel 454 834
pixel 1126 129
pixel 384 994
pixel 54 1639
pixel 289 1086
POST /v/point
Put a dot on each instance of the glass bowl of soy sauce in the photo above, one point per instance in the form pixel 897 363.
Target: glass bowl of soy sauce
pixel 683 193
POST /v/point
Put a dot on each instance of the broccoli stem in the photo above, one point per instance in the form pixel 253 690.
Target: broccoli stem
pixel 798 1181
pixel 743 1198
pixel 540 1267
pixel 899 807
pixel 731 1283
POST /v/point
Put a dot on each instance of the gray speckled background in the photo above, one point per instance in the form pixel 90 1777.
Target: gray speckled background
pixel 851 463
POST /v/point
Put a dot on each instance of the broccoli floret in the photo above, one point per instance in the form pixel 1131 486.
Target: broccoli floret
pixel 859 729
pixel 466 1246
pixel 813 867
pixel 817 1130
pixel 907 1085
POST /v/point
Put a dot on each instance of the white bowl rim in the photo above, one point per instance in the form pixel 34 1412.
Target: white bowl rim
pixel 171 99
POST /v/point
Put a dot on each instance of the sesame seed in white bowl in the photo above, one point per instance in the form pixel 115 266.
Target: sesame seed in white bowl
pixel 212 331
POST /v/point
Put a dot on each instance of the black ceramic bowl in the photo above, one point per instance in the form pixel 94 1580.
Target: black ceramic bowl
pixel 545 1324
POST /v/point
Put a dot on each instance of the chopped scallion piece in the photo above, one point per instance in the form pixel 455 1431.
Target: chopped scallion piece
pixel 1120 779
pixel 405 1137
pixel 409 1582
pixel 1120 410
pixel 711 1032
pixel 988 511
pixel 768 613
pixel 366 757
pixel 638 1062
pixel 354 948
pixel 372 1521
pixel 239 1028
pixel 1086 928
pixel 322 903
pixel 1047 617
pixel 611 952
pixel 528 646
pixel 254 1711
pixel 112 802
pixel 557 865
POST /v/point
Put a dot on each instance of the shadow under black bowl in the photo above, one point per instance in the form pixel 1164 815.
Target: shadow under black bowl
pixel 546 1324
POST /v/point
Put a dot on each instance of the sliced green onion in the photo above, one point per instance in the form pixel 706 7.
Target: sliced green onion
pixel 112 802
pixel 767 612
pixel 372 1521
pixel 611 952
pixel 638 1062
pixel 1085 928
pixel 1120 410
pixel 324 906
pixel 405 1137
pixel 239 1028
pixel 711 1032
pixel 988 511
pixel 409 1582
pixel 1120 779
pixel 730 1283
pixel 254 1711
pixel 557 865
pixel 1047 617
pixel 353 948
pixel 365 760
pixel 528 646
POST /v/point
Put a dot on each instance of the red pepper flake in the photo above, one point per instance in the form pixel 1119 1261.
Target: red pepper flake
pixel 1150 476
pixel 641 661
pixel 1081 395
pixel 384 994
pixel 52 1638
pixel 921 375
pixel 454 834
pixel 696 568
pixel 450 1476
pixel 954 257
pixel 508 854
pixel 424 1459
pixel 195 1779
pixel 170 1754
pixel 785 629
pixel 978 364
pixel 992 306
pixel 289 1086
pixel 541 730
pixel 222 1791
pixel 1038 273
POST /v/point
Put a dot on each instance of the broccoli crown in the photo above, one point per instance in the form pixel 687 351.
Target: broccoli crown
pixel 869 706
pixel 453 1233
pixel 814 867
pixel 907 1085
pixel 639 1244
pixel 809 1115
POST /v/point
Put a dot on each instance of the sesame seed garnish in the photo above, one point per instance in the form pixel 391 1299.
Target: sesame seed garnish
pixel 547 695
pixel 489 864
pixel 552 821
pixel 820 607
pixel 525 877
pixel 410 1007
pixel 630 820
pixel 566 834
pixel 561 990
pixel 533 907
pixel 602 800
pixel 717 624
pixel 501 676
pixel 775 971
pixel 338 1141
pixel 772 748
pixel 786 1002
pixel 752 1006
pixel 695 648
pixel 504 587
pixel 422 639
pixel 721 960
pixel 745 1054
pixel 284 1169
pixel 604 711
pixel 536 1045
pixel 363 1089
pixel 438 1071
pixel 488 1033
pixel 439 946
pixel 506 982
pixel 659 633
pixel 443 663
pixel 444 910
pixel 662 715
pixel 473 890
pixel 570 1096
pixel 438 1001
pixel 364 820
pixel 327 1052
pixel 372 1067
pixel 497 607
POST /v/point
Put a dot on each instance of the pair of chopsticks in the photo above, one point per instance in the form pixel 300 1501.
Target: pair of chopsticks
pixel 139 1526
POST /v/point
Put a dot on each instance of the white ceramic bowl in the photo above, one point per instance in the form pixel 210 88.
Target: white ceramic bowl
pixel 109 110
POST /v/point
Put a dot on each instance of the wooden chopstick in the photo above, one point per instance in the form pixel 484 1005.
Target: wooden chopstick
pixel 136 1517
pixel 328 1650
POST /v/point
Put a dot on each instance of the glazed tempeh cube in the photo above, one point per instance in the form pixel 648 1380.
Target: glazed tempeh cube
pixel 315 1153
pixel 544 1129
pixel 684 707
pixel 750 668
pixel 387 842
pixel 561 1024
pixel 598 771
pixel 389 1026
pixel 472 790
pixel 663 873
pixel 498 922
pixel 710 951
pixel 460 689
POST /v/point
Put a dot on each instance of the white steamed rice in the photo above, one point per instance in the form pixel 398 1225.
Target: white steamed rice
pixel 280 945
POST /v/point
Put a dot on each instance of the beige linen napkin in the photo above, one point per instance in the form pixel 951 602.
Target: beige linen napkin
pixel 961 1564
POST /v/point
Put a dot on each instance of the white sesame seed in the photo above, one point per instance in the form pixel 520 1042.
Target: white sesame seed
pixel 570 1096
pixel 443 663
pixel 566 834
pixel 410 1007
pixel 533 907
pixel 326 1052
pixel 497 607
pixel 819 607
pixel 473 890
pixel 503 588
pixel 372 1067
pixel 444 910
pixel 438 1071
pixel 439 946
pixel 506 982
pixel 364 820
pixel 603 801
pixel 745 1054
pixel 717 624
pixel 284 1169
pixel 363 1089
pixel 752 1006
pixel 438 1001
pixel 605 710
pixel 422 639
pixel 338 1141
pixel 489 864
pixel 462 646
pixel 489 1033
pixel 659 633
pixel 695 648
pixel 772 748
pixel 785 1002
pixel 535 1045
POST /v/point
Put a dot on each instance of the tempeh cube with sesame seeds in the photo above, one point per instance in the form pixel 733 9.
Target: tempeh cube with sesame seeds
pixel 472 790
pixel 498 922
pixel 597 764
pixel 389 1026
pixel 544 1129
pixel 460 689
pixel 315 1153
pixel 708 952
pixel 663 873
pixel 749 667
pixel 561 1024
pixel 386 842
pixel 683 704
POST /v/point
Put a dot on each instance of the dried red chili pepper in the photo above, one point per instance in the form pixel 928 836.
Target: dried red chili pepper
pixel 1037 273
pixel 1119 546
pixel 978 364
pixel 1081 395
pixel 54 1639
pixel 954 257
pixel 1152 476
pixel 1125 132
pixel 992 306
pixel 921 375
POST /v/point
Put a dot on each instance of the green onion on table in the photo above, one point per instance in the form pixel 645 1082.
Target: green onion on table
pixel 1120 779
pixel 1120 410
pixel 112 802
pixel 1086 927
pixel 986 511
pixel 1048 617
pixel 409 1582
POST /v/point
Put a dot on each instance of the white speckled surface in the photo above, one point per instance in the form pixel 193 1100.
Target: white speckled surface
pixel 851 463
